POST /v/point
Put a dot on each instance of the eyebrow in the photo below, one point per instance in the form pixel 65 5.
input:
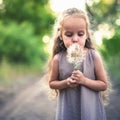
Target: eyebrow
pixel 72 31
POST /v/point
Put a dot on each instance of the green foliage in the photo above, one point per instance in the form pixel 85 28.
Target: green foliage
pixel 19 44
pixel 104 11
pixel 112 45
pixel 111 53
pixel 23 25
pixel 35 11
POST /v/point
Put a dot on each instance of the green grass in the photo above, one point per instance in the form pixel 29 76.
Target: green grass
pixel 11 73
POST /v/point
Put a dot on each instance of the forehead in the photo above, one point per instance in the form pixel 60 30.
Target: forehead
pixel 73 23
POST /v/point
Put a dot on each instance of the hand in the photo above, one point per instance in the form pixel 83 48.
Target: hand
pixel 78 77
pixel 71 83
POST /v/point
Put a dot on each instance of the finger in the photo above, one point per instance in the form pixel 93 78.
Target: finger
pixel 75 74
pixel 73 78
pixel 72 81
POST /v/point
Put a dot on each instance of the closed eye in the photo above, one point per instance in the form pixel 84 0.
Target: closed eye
pixel 69 34
pixel 80 34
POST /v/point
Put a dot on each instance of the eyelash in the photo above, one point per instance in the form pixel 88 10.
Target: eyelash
pixel 70 35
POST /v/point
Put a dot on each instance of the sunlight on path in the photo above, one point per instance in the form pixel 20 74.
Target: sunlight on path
pixel 34 101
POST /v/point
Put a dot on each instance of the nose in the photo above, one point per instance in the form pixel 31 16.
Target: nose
pixel 75 38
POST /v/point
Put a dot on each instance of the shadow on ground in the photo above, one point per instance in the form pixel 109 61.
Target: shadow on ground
pixel 31 102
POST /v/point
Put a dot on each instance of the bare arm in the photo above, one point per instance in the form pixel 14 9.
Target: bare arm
pixel 100 84
pixel 54 83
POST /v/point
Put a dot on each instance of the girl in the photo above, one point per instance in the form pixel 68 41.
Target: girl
pixel 79 90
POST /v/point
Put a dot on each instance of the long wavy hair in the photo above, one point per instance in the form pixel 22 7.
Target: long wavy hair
pixel 59 46
pixel 58 43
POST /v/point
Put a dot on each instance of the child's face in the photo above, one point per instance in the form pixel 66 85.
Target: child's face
pixel 74 31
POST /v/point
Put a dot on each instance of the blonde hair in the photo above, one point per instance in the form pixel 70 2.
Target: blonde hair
pixel 71 12
pixel 105 94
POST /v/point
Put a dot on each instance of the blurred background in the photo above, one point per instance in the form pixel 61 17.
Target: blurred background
pixel 25 47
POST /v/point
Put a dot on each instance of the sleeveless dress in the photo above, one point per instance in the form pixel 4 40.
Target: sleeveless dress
pixel 80 103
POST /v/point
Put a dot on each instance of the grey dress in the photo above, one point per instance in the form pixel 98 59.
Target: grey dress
pixel 80 103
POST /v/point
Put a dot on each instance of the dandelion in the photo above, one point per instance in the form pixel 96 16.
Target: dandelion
pixel 75 55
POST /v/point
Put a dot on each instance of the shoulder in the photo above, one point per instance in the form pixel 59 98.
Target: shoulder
pixel 96 54
pixel 55 63
pixel 97 57
pixel 56 58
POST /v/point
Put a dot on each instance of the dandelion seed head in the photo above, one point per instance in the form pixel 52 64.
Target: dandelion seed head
pixel 75 54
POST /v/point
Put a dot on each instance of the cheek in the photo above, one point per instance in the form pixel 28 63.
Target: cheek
pixel 67 45
pixel 82 42
pixel 67 41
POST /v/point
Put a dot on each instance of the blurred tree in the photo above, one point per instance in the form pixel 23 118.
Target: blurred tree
pixel 23 25
pixel 104 11
pixel 107 12
pixel 111 53
pixel 36 12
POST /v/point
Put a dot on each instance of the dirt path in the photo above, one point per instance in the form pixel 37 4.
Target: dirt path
pixel 31 103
